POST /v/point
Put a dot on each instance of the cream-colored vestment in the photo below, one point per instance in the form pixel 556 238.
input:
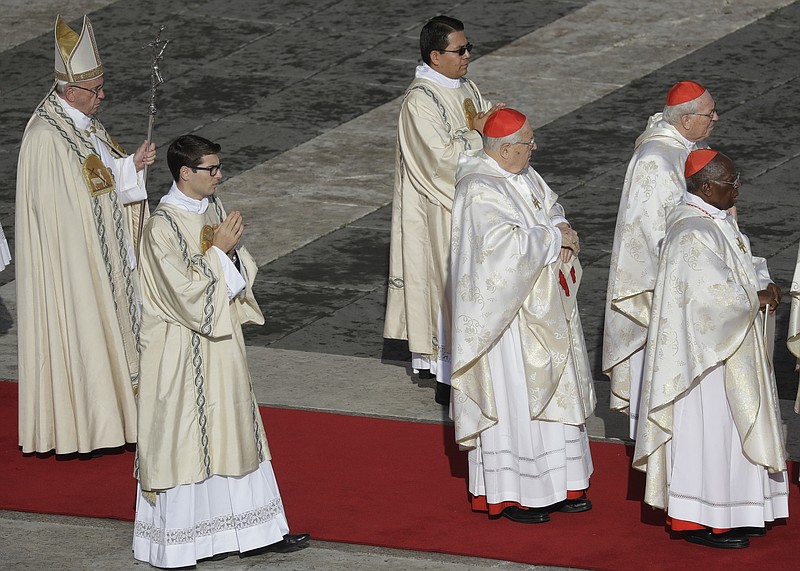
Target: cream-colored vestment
pixel 77 289
pixel 508 294
pixel 198 415
pixel 706 331
pixel 433 129
pixel 202 446
pixel 793 337
pixel 653 183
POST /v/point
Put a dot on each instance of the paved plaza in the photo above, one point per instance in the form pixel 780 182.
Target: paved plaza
pixel 304 95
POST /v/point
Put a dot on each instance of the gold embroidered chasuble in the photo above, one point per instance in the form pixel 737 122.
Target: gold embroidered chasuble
pixel 499 270
pixel 433 129
pixel 706 313
pixel 198 414
pixel 77 295
pixel 654 182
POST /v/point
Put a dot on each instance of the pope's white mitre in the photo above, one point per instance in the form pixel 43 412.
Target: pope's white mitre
pixel 76 55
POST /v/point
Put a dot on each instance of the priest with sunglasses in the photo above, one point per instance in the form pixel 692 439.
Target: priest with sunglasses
pixel 442 114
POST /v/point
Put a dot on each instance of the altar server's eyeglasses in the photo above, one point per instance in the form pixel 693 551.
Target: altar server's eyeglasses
pixel 212 170
pixel 460 51
pixel 735 183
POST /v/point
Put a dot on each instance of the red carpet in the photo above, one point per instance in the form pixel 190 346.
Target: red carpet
pixel 401 485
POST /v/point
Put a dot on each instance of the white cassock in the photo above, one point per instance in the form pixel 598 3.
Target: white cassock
pixel 206 484
pixel 793 337
pixel 710 433
pixel 433 129
pixel 522 388
pixel 653 183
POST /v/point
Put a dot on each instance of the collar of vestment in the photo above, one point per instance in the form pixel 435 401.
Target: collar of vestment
pixel 425 71
pixel 703 206
pixel 176 198
pixel 658 127
pixel 503 171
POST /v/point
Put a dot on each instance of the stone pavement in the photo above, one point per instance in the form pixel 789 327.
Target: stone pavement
pixel 303 96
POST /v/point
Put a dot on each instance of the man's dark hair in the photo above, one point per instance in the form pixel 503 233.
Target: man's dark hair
pixel 434 35
pixel 714 170
pixel 188 151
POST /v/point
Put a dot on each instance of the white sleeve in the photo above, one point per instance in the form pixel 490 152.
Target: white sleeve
pixel 555 245
pixel 233 279
pixel 130 184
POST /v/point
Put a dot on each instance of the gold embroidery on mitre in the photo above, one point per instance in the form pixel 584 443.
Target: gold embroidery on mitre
pixel 470 112
pixel 76 55
pixel 98 178
pixel 206 238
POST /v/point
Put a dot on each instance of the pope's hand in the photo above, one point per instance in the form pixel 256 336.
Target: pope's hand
pixel 145 155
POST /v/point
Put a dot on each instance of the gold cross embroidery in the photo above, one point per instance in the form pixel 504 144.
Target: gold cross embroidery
pixel 741 244
pixel 536 203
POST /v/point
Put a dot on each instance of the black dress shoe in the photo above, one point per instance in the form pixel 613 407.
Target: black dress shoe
pixel 442 394
pixel 520 515
pixel 572 506
pixel 290 543
pixel 752 531
pixel 733 539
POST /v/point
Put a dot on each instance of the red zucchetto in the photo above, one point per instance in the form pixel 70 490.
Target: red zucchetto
pixel 503 122
pixel 697 160
pixel 684 91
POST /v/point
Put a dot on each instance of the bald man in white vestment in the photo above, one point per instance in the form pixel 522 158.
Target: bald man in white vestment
pixel 206 484
pixel 441 115
pixel 653 182
pixel 522 388
pixel 710 432
pixel 79 200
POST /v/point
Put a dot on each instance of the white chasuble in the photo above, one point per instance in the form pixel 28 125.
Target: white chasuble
pixel 77 294
pixel 505 268
pixel 653 183
pixel 434 127
pixel 706 328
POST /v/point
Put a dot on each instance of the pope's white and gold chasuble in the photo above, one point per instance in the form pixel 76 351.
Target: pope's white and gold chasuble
pixel 77 293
